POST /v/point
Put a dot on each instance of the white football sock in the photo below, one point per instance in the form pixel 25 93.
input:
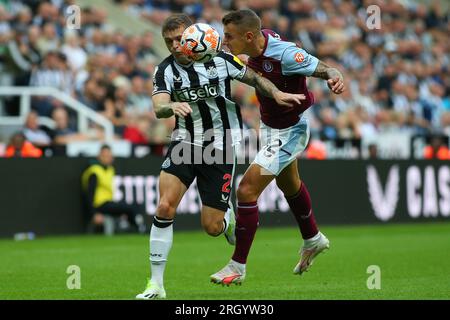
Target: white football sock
pixel 161 237
pixel 238 266
pixel 313 239
pixel 226 220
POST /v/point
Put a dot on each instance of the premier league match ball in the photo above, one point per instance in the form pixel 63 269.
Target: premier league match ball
pixel 201 42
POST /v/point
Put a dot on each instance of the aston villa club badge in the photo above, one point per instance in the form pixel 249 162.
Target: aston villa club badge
pixel 267 66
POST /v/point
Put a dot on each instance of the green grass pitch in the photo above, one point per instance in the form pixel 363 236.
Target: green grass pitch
pixel 414 260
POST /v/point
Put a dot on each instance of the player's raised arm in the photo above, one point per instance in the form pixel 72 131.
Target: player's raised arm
pixel 165 108
pixel 297 61
pixel 334 77
pixel 267 88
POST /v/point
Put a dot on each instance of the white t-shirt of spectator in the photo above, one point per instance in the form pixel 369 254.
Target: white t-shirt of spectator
pixel 37 136
pixel 77 56
pixel 53 78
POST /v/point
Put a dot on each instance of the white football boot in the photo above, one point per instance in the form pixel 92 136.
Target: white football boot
pixel 233 272
pixel 310 250
pixel 152 292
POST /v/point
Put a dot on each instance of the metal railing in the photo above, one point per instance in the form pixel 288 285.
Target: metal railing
pixel 84 113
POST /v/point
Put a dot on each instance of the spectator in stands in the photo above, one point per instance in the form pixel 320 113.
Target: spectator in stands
pixel 316 150
pixel 63 134
pixel 93 94
pixel 53 72
pixel 139 102
pixel 20 57
pixel 97 184
pixel 44 13
pixel 97 43
pixel 48 41
pixel 23 59
pixel 403 66
pixel 75 54
pixel 115 107
pixel 373 151
pixel 161 130
pixel 126 64
pixel 6 31
pixel 31 42
pixel 18 147
pixel 436 149
pixel 137 130
pixel 34 133
pixel 328 119
pixel 155 11
pixel 146 51
pixel 22 21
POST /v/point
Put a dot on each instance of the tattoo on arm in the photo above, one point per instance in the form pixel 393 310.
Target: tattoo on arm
pixel 263 85
pixel 164 110
pixel 326 72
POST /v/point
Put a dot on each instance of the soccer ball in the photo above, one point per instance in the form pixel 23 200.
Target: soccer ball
pixel 200 42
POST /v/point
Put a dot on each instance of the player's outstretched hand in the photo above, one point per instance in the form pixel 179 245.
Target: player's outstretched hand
pixel 181 109
pixel 336 85
pixel 288 99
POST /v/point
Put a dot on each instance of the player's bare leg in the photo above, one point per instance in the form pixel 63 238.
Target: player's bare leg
pixel 289 180
pixel 171 191
pixel 297 196
pixel 215 222
pixel 253 183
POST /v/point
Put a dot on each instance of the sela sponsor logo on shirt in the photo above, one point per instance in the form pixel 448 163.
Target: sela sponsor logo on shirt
pixel 195 94
pixel 299 57
pixel 267 66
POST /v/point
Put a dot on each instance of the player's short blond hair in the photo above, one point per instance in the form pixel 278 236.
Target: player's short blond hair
pixel 175 21
pixel 246 20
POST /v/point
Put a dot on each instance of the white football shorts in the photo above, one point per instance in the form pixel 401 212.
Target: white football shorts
pixel 282 146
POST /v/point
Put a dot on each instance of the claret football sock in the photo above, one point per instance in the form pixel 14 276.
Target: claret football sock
pixel 161 237
pixel 300 205
pixel 246 225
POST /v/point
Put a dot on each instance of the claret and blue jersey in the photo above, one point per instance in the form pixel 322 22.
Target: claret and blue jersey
pixel 287 66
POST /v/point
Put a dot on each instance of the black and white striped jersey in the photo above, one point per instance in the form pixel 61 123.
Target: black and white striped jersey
pixel 206 87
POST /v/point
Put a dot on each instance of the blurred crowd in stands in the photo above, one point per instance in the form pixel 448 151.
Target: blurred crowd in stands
pixel 101 67
pixel 397 77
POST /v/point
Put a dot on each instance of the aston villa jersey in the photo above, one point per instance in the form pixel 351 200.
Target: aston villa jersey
pixel 287 66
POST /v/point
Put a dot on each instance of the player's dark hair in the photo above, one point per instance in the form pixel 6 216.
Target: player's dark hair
pixel 175 21
pixel 105 147
pixel 245 19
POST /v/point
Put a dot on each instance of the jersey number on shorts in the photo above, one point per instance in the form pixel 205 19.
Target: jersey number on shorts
pixel 226 185
pixel 269 152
